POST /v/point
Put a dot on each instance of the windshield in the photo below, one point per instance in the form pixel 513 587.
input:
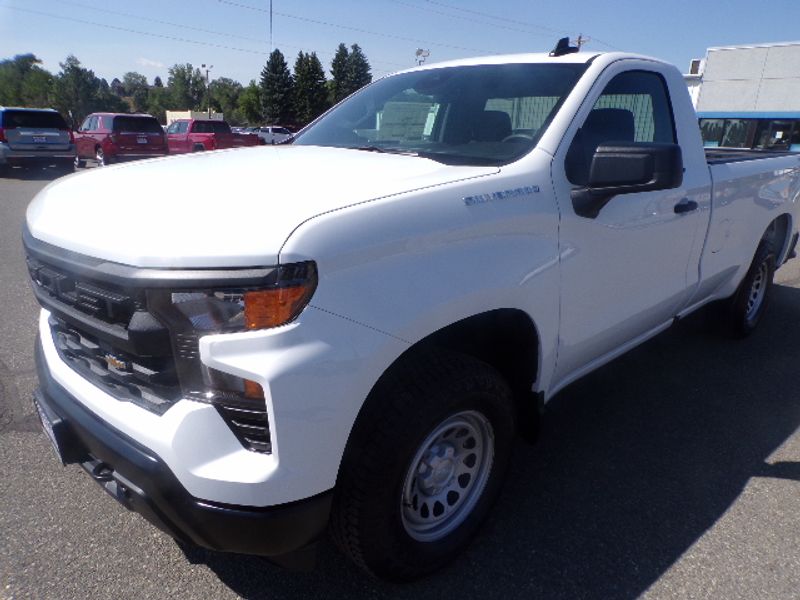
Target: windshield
pixel 473 115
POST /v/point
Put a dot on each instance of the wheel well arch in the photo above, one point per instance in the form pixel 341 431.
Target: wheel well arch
pixel 507 339
pixel 778 235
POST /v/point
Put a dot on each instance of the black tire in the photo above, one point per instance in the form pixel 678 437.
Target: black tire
pixel 198 148
pixel 370 519
pixel 78 163
pixel 746 307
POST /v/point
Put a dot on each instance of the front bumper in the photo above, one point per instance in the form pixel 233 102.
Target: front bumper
pixel 140 480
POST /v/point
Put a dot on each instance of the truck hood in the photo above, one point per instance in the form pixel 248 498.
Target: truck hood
pixel 219 209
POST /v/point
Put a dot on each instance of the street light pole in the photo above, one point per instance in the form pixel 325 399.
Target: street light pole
pixel 208 91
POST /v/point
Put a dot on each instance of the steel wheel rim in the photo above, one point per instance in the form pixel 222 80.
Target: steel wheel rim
pixel 758 290
pixel 447 476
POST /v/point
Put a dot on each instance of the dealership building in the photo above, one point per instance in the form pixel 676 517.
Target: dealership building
pixel 748 96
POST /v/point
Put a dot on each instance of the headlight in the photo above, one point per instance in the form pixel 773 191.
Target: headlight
pixel 191 313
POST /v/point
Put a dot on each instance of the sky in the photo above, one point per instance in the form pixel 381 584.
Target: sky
pixel 113 37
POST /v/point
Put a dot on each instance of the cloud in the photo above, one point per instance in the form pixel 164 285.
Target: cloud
pixel 146 62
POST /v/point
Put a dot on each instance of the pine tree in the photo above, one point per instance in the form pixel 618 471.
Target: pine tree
pixel 276 90
pixel 310 89
pixel 339 73
pixel 358 70
pixel 157 82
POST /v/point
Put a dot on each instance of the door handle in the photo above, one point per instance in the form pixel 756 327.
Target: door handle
pixel 685 206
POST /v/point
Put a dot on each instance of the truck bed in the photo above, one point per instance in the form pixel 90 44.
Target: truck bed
pixel 717 156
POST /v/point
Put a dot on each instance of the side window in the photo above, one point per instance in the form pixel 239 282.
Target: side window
pixel 173 128
pixel 181 126
pixel 85 125
pixel 634 107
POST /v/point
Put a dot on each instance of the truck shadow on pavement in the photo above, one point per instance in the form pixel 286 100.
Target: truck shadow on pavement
pixel 635 463
pixel 37 173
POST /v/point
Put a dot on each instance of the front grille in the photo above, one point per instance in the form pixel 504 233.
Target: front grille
pixel 102 302
pixel 147 382
pixel 105 333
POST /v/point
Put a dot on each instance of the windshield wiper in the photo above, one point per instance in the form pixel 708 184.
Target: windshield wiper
pixel 383 150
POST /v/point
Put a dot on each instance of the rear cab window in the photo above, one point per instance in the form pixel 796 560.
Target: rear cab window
pixel 210 127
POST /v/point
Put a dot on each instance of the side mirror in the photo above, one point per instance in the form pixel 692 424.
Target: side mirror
pixel 626 168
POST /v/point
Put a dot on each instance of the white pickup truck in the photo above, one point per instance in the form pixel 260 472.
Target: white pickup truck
pixel 357 350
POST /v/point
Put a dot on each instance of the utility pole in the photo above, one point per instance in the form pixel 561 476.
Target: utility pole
pixel 208 89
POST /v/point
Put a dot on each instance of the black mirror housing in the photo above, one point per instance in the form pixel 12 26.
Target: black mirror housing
pixel 626 168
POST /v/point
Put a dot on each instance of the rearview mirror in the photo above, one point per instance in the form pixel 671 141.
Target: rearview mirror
pixel 626 168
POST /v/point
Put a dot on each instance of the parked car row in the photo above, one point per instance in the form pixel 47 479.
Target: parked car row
pixel 42 136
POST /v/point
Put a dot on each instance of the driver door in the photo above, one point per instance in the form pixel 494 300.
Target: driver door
pixel 626 271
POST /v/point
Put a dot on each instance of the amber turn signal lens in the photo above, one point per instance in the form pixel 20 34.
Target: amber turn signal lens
pixel 273 307
pixel 253 390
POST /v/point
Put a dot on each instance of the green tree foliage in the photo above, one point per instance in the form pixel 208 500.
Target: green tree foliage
pixel 158 102
pixel 187 87
pixel 117 88
pixel 310 90
pixel 250 106
pixel 75 91
pixel 358 70
pixel 24 83
pixel 137 89
pixel 225 94
pixel 78 92
pixel 276 90
pixel 338 84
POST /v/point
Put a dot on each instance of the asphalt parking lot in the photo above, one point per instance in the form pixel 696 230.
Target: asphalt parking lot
pixel 673 472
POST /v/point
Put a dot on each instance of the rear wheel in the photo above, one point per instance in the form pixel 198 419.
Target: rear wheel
pixel 424 464
pixel 78 163
pixel 198 148
pixel 747 305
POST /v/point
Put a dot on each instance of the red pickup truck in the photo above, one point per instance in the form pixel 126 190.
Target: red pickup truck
pixel 196 135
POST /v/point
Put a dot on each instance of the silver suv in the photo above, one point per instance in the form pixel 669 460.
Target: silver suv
pixel 35 136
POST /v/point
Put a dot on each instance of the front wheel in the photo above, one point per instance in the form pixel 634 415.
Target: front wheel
pixel 748 304
pixel 424 464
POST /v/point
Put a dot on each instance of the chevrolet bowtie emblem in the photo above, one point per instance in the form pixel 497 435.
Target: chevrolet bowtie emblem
pixel 113 361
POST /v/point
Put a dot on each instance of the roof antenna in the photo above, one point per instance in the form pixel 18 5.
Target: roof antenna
pixel 563 47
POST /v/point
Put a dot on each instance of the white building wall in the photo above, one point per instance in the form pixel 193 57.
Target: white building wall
pixel 763 78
